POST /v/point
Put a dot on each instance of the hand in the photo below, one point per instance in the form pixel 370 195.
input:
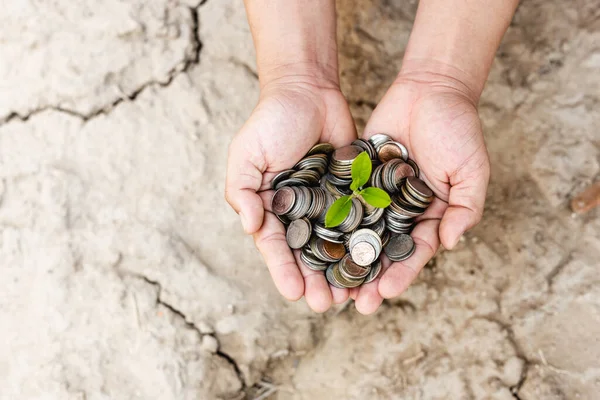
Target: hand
pixel 294 113
pixel 435 117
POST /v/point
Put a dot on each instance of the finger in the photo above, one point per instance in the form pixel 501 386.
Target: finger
pixel 466 201
pixel 339 295
pixel 400 275
pixel 318 296
pixel 367 302
pixel 316 289
pixel 266 198
pixel 368 298
pixel 270 241
pixel 244 178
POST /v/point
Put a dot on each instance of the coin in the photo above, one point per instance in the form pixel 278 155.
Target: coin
pixel 401 172
pixel 346 154
pixel 351 270
pixel 291 182
pixel 400 247
pixel 307 175
pixel 365 246
pixel 414 166
pixel 283 175
pixel 334 250
pixel 412 199
pixel 389 151
pixel 328 234
pixel 316 162
pixel 321 148
pixel 349 255
pixel 374 272
pixel 298 233
pixel 302 204
pixel 419 187
pixel 343 279
pixel 330 277
pixel 366 146
pixel 363 253
pixel 379 139
pixel 354 218
pixel 283 200
pixel 311 261
pixel 318 203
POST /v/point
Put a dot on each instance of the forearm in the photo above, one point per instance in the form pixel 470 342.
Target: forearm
pixel 458 39
pixel 294 38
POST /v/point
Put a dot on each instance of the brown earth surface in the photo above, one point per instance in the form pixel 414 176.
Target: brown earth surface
pixel 125 274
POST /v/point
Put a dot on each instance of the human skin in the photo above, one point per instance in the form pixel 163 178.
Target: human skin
pixel 431 108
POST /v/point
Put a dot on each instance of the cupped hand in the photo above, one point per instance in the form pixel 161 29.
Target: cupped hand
pixel 435 117
pixel 293 114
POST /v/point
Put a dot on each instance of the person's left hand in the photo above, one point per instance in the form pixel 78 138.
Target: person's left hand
pixel 435 117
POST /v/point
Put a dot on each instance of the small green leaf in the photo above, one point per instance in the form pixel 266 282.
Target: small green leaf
pixel 338 211
pixel 361 170
pixel 376 197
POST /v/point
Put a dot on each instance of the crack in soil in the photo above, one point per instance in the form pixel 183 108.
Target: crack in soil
pixel 514 390
pixel 230 360
pixel 188 61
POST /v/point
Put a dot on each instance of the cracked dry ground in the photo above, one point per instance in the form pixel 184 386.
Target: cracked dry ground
pixel 125 275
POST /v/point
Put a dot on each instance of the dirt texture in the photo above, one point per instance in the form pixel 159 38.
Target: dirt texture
pixel 125 275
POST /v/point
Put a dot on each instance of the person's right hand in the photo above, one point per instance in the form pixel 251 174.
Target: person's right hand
pixel 295 111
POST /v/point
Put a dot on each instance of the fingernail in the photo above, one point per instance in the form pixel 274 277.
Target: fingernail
pixel 244 222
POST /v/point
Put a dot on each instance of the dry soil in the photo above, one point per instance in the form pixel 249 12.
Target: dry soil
pixel 124 274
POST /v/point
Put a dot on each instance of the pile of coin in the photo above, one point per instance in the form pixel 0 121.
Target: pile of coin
pixel 349 253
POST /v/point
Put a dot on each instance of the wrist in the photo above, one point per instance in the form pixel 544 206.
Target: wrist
pixel 458 39
pixel 309 74
pixel 294 42
pixel 443 76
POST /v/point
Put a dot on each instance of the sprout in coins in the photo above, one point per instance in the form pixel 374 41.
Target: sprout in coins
pixel 361 171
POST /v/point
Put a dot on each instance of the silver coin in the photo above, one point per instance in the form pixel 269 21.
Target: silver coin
pixel 363 253
pixel 283 175
pixel 376 268
pixel 311 261
pixel 321 148
pixel 400 247
pixel 378 139
pixel 330 277
pixel 328 234
pixel 298 233
pixel 350 270
pixel 366 146
pixel 291 182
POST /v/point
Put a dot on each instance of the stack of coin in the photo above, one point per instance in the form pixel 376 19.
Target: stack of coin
pixel 388 149
pixel 293 202
pixel 410 203
pixel 371 214
pixel 308 171
pixel 367 146
pixel 354 218
pixel 349 253
pixel 341 162
pixel 365 246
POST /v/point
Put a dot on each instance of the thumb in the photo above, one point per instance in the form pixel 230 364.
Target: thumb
pixel 465 201
pixel 244 178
